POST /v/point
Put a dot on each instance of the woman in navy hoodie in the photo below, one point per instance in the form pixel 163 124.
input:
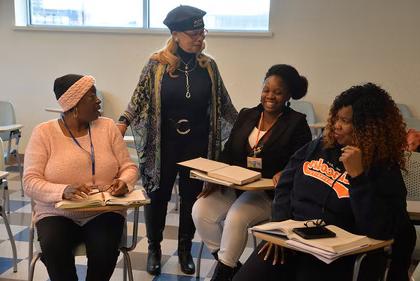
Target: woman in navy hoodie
pixel 350 177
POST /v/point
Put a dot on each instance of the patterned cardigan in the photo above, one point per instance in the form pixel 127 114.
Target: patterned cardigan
pixel 144 115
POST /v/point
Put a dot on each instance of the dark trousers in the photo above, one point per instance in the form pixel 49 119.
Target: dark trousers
pixel 59 236
pixel 304 267
pixel 173 152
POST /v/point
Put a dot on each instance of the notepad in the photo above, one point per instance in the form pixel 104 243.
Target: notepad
pixel 221 173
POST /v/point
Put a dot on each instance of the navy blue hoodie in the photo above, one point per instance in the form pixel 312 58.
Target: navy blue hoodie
pixel 315 185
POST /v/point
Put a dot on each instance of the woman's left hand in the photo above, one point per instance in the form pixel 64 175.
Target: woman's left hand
pixel 351 157
pixel 118 188
pixel 276 178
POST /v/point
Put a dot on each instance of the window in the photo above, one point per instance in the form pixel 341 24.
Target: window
pixel 236 15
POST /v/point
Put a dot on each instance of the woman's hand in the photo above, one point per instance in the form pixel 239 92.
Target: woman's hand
pixel 351 157
pixel 118 188
pixel 278 253
pixel 413 139
pixel 76 192
pixel 122 127
pixel 276 178
pixel 208 189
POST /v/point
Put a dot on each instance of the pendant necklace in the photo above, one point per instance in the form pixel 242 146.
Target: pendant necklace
pixel 186 71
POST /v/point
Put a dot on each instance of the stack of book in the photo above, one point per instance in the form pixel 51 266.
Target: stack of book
pixel 325 249
pixel 225 174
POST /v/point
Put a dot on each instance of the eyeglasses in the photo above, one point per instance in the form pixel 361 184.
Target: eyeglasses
pixel 194 34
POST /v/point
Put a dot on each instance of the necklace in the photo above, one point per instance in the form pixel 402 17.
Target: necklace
pixel 186 71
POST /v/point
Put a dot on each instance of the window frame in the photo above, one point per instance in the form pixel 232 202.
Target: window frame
pixel 22 18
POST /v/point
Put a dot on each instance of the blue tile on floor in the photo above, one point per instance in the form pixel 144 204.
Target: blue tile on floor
pixel 22 235
pixel 195 249
pixel 174 277
pixel 14 204
pixel 6 264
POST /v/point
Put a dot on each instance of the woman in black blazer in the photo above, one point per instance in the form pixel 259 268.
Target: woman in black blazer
pixel 263 138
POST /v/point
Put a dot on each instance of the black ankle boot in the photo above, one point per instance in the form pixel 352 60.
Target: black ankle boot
pixel 236 268
pixel 186 261
pixel 153 261
pixel 222 272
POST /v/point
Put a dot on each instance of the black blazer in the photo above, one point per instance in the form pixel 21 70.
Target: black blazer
pixel 288 134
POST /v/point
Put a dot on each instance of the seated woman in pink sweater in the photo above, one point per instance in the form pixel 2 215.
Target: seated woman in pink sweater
pixel 64 159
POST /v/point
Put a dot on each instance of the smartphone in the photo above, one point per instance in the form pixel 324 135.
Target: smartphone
pixel 315 232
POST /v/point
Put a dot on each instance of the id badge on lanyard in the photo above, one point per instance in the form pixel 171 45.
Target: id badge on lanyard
pixel 254 162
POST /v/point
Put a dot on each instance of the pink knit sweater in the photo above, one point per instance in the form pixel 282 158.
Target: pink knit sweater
pixel 53 161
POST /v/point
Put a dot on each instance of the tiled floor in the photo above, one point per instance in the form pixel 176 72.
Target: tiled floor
pixel 20 217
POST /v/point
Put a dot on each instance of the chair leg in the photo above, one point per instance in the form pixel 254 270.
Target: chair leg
pixel 20 171
pixel 357 264
pixel 176 194
pixel 32 266
pixel 127 266
pixel 6 197
pixel 12 240
pixel 200 253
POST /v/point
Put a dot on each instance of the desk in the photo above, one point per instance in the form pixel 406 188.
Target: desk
pixel 361 253
pixel 3 174
pixel 59 110
pixel 413 209
pixel 318 125
pixel 129 139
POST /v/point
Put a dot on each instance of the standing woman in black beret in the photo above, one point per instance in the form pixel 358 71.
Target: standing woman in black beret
pixel 179 110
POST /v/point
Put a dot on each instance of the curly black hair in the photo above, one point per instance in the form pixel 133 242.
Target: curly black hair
pixel 378 127
pixel 296 85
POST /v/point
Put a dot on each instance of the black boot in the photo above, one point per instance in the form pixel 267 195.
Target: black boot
pixel 236 268
pixel 153 260
pixel 222 272
pixel 154 214
pixel 184 256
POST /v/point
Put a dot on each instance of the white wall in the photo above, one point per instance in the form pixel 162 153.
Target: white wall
pixel 335 44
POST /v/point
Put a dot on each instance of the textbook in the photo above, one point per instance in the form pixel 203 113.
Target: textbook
pixel 137 196
pixel 221 173
pixel 325 249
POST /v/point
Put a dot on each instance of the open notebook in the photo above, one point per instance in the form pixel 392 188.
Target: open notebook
pixel 137 196
pixel 220 173
pixel 325 249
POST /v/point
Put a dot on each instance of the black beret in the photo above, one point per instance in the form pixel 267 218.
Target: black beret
pixel 184 18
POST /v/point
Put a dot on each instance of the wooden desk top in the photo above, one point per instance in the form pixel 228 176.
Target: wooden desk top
pixel 278 240
pixel 3 174
pixel 413 209
pixel 59 110
pixel 262 184
pixel 318 125
pixel 9 128
pixel 104 208
pixel 129 139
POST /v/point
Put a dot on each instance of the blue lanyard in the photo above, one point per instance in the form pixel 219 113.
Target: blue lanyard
pixel 92 150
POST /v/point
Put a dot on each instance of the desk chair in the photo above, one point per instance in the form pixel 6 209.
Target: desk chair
pixel 200 251
pixel 412 183
pixel 5 202
pixel 306 108
pixel 80 250
pixel 404 110
pixel 8 118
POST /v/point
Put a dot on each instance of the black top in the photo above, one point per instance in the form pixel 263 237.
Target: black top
pixel 288 134
pixel 177 106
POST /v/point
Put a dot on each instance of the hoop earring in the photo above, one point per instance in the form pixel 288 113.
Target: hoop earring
pixel 75 113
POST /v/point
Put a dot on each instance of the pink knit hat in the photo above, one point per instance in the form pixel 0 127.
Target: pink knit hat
pixel 70 88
